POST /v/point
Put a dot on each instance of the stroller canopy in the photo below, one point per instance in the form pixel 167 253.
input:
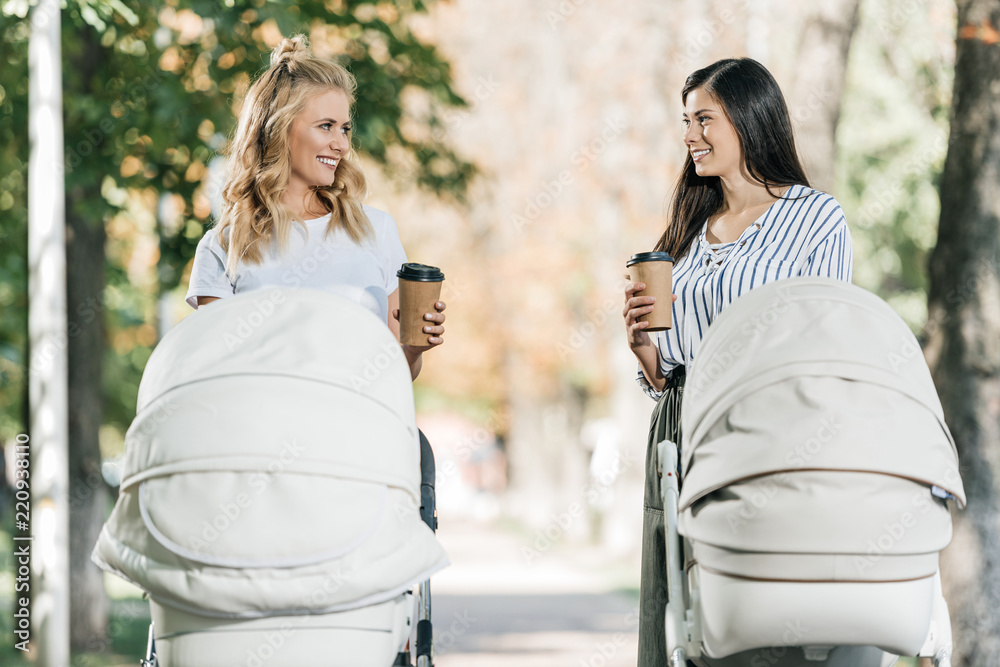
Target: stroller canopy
pixel 811 426
pixel 273 464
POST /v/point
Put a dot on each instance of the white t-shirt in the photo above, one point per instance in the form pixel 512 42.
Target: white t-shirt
pixel 364 273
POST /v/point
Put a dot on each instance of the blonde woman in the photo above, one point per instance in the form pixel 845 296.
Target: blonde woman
pixel 292 213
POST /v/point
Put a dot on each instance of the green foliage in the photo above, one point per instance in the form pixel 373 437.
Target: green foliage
pixel 148 94
pixel 13 224
pixel 891 141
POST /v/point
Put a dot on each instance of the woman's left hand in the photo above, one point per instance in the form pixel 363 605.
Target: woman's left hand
pixel 434 327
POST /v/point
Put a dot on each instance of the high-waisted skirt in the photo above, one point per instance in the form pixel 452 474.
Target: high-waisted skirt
pixel 665 424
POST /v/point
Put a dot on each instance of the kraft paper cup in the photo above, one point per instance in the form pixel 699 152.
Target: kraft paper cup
pixel 656 270
pixel 419 290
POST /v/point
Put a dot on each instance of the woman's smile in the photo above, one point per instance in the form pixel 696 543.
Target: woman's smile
pixel 322 130
pixel 710 137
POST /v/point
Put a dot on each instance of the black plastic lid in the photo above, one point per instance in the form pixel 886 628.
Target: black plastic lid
pixel 420 273
pixel 649 257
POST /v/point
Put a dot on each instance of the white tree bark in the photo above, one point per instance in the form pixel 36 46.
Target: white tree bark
pixel 48 338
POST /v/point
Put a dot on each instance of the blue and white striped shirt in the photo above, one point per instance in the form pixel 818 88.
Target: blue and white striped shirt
pixel 802 234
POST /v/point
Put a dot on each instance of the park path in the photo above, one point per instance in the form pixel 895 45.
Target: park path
pixel 494 608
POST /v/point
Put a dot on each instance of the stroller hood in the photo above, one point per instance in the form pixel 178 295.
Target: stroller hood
pixel 273 465
pixel 813 433
pixel 814 328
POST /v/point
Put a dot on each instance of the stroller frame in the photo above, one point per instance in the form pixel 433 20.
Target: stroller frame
pixel 683 614
pixel 425 633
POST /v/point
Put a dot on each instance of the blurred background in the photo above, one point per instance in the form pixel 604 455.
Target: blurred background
pixel 528 148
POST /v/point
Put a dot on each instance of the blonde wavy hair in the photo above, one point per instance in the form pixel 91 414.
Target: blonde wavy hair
pixel 259 158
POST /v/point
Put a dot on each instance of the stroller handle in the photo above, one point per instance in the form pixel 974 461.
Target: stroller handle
pixel 428 512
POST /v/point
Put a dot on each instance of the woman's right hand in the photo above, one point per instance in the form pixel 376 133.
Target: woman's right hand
pixel 636 306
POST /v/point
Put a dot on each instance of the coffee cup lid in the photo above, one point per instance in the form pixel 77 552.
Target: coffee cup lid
pixel 420 273
pixel 649 257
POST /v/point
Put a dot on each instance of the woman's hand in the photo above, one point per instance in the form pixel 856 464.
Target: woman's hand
pixel 636 306
pixel 434 327
pixel 638 340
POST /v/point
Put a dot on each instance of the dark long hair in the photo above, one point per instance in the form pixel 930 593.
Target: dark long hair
pixel 752 101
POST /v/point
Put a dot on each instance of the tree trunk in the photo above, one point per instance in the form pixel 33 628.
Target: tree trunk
pixel 814 102
pixel 85 260
pixel 963 331
pixel 88 495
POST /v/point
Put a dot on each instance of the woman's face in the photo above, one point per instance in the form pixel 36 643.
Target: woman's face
pixel 710 138
pixel 318 139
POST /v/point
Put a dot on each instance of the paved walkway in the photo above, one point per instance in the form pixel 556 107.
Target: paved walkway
pixel 501 605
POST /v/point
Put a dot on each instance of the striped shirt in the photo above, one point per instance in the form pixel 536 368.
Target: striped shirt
pixel 802 234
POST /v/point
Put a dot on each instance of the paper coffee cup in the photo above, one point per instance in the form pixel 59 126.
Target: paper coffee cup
pixel 419 290
pixel 656 270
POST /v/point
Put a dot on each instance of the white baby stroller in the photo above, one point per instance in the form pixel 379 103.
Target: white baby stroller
pixel 271 499
pixel 814 469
